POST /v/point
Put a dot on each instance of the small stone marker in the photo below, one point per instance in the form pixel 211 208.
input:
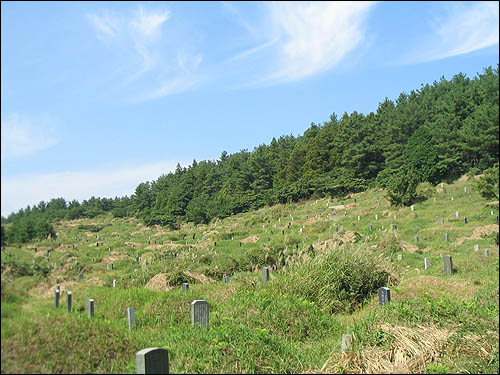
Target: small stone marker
pixel 152 361
pixel 442 221
pixel 265 274
pixel 336 228
pixel 465 189
pixel 90 307
pixel 394 226
pixel 114 283
pixel 346 342
pixel 427 263
pixel 412 208
pixel 69 295
pixel 451 198
pixel 111 266
pixel 185 287
pixel 491 213
pixel 456 214
pixel 215 243
pixel 199 313
pixel 446 237
pixel 384 295
pixel 225 278
pixel 476 247
pixel 465 220
pixel 57 294
pixel 370 227
pixel 400 256
pixel 359 218
pixel 448 264
pixel 131 317
pixel 415 238
pixel 80 276
pixel 239 244
pixel 486 253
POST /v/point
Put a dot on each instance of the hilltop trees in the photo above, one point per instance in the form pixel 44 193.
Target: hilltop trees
pixel 438 132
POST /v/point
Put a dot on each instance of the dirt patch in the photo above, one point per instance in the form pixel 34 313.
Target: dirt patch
pixel 494 203
pixel 478 232
pixel 137 233
pixel 199 278
pixel 159 282
pixel 113 257
pixel 408 247
pixel 312 220
pixel 411 350
pixel 250 239
pixel 347 236
pixel 464 178
pixel 133 244
pixel 210 232
pixel 340 207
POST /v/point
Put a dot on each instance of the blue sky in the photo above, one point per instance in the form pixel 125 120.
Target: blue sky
pixel 97 97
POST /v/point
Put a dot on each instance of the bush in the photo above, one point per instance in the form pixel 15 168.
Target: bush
pixel 339 280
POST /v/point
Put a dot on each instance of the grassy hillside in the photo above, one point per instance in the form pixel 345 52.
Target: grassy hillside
pixel 326 266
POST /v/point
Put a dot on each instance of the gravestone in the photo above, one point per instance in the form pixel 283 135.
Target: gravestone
pixel 68 296
pixel 442 221
pixel 370 227
pixel 57 295
pixel 400 256
pixel 465 220
pixel 451 198
pixel 90 307
pixel 225 278
pixel 456 214
pixel 359 218
pixel 346 342
pixel 384 295
pixel 446 237
pixel 114 283
pixel 427 263
pixel 80 276
pixel 131 317
pixel 415 238
pixel 486 253
pixel 283 232
pixel 376 217
pixel 215 244
pixel 265 274
pixel 111 266
pixel 185 287
pixel 239 244
pixel 152 361
pixel 448 264
pixel 412 208
pixel 465 189
pixel 199 313
pixel 394 226
pixel 476 247
pixel 336 228
pixel 296 246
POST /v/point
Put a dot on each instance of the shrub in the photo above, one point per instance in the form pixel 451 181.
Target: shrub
pixel 338 280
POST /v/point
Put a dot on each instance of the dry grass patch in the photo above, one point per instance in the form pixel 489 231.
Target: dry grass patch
pixel 478 233
pixel 415 287
pixel 250 239
pixel 411 351
pixel 159 282
pixel 199 278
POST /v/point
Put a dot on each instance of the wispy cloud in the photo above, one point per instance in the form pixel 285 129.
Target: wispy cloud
pixel 462 29
pixel 309 38
pixel 23 135
pixel 159 72
pixel 18 192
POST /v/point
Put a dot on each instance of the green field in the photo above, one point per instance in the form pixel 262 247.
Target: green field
pixel 325 265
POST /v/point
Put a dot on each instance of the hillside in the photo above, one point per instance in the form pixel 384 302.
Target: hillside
pixel 325 268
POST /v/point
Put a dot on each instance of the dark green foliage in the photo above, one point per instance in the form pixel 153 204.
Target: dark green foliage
pixel 487 185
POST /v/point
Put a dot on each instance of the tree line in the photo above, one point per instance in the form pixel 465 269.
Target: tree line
pixel 435 133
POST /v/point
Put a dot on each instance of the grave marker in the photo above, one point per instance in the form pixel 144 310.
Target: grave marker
pixel 384 295
pixel 427 263
pixel 265 274
pixel 131 317
pixel 400 256
pixel 57 294
pixel 456 214
pixel 90 307
pixel 446 237
pixel 486 253
pixel 152 361
pixel 465 220
pixel 346 342
pixel 68 296
pixel 448 264
pixel 199 313
pixel 114 283
pixel 442 221
pixel 415 238
pixel 225 278
pixel 476 247
pixel 185 287
pixel 370 227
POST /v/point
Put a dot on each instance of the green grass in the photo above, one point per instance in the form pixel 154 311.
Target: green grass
pixel 323 284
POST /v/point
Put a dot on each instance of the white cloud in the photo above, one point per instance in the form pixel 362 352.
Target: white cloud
pixel 141 33
pixel 22 135
pixel 147 24
pixel 310 38
pixel 464 28
pixel 19 192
